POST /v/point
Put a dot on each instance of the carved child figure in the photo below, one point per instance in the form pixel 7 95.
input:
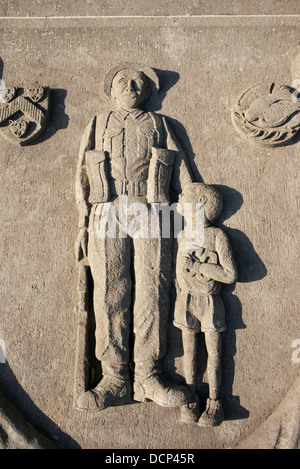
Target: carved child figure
pixel 200 273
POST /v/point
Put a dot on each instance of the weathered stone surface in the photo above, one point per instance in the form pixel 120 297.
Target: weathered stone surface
pixel 16 432
pixel 281 430
pixel 35 8
pixel 204 64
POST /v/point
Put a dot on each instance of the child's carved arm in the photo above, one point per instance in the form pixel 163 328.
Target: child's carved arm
pixel 225 271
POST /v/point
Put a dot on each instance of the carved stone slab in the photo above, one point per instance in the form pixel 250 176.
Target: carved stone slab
pixel 41 288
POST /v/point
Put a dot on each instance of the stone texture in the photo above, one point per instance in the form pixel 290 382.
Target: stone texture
pixel 16 432
pixel 281 430
pixel 36 8
pixel 205 63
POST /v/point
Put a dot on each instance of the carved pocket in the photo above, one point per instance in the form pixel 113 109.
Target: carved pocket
pixel 97 169
pixel 159 176
pixel 114 141
pixel 147 137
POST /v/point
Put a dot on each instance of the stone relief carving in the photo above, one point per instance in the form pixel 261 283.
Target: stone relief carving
pixel 128 156
pixel 267 115
pixel 24 112
pixel 96 185
pixel 200 271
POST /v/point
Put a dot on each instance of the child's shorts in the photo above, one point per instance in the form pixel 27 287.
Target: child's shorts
pixel 203 312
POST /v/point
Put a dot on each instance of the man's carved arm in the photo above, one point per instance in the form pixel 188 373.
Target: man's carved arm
pixel 82 190
pixel 181 173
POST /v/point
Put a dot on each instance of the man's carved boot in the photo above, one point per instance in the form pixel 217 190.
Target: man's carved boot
pixel 189 413
pixel 213 414
pixel 114 389
pixel 149 384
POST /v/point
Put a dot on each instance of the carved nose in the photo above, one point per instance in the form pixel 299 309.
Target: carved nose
pixel 130 86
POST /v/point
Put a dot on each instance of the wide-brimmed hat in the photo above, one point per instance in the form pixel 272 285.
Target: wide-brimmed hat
pixel 148 71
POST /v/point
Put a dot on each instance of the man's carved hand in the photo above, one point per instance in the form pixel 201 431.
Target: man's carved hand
pixel 81 244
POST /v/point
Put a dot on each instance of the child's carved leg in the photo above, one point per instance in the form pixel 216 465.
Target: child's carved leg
pixel 213 415
pixel 189 341
pixel 189 413
pixel 213 343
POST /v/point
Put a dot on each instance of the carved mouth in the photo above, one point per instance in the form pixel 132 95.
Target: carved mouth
pixel 130 94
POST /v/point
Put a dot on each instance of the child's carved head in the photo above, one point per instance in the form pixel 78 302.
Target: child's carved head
pixel 197 192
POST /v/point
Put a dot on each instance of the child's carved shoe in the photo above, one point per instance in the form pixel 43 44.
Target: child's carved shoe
pixel 213 414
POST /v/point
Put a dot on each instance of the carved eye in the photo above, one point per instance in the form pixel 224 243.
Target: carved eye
pixel 202 199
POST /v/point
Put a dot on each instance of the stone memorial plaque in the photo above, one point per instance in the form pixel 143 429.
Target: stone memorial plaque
pixel 149 225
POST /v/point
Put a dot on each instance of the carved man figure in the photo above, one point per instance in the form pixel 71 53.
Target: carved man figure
pixel 128 153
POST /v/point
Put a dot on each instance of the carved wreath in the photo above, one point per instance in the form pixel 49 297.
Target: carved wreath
pixel 268 115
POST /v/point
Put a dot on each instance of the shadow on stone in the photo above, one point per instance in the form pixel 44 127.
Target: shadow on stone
pixel 167 79
pixel 28 425
pixel 57 118
pixel 1 68
pixel 185 143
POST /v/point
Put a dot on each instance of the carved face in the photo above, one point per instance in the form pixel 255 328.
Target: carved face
pixel 130 88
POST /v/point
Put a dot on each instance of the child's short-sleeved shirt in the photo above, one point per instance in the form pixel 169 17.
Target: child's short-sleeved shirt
pixel 198 305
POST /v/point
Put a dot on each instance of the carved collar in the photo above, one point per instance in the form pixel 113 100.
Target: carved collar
pixel 135 113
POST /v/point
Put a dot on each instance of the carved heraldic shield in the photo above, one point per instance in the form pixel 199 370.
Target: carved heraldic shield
pixel 24 112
